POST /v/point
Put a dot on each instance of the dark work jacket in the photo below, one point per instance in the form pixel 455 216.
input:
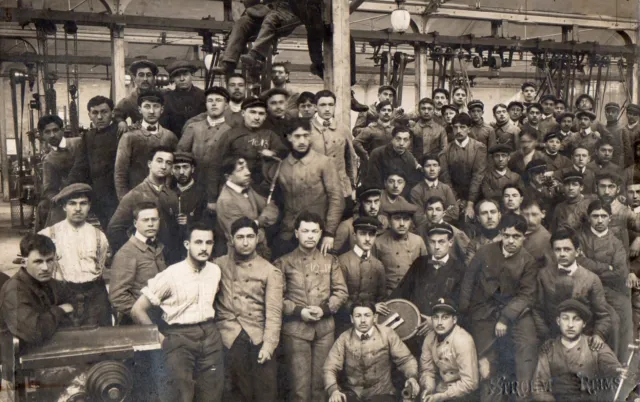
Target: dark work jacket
pixel 384 160
pixel 56 166
pixel 180 106
pixel 29 311
pixel 276 125
pixel 423 285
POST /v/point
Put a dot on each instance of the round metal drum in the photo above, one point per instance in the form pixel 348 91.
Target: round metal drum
pixel 404 318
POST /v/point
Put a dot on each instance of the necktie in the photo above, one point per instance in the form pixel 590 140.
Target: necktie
pixel 326 123
pixel 245 192
pixel 364 257
pixel 364 337
pixel 152 242
pixel 151 128
pixel 563 271
pixel 436 263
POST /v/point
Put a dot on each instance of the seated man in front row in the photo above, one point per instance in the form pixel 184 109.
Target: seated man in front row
pixel 448 354
pixel 365 355
pixel 30 305
pixel 568 364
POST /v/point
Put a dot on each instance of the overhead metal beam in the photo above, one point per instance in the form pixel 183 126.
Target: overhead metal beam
pixel 461 11
pixel 300 68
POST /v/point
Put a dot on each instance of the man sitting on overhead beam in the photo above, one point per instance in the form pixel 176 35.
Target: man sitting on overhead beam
pixel 264 18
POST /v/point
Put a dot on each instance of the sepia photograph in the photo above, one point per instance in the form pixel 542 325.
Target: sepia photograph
pixel 320 201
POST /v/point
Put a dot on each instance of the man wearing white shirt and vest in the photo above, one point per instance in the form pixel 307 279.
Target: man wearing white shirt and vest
pixel 82 251
pixel 190 339
pixel 449 363
pixel 131 160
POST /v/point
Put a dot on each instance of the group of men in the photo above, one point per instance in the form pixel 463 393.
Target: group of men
pixel 231 223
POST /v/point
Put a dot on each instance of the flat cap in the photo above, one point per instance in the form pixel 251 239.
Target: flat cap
pixel 571 176
pixel 272 92
pixel 536 165
pixel 475 103
pixel 151 95
pixel 564 115
pixel 367 223
pixel 582 97
pixel 515 103
pixel 445 304
pixel 440 228
pixel 577 306
pixel 387 87
pixel 253 102
pixel 528 84
pixel 450 107
pixel 612 105
pixel 218 91
pixel 505 148
pixel 588 113
pixel 183 157
pixel 548 97
pixel 633 108
pixel 401 206
pixel 72 190
pixel 143 63
pixel 181 65
pixel 363 192
pixel 551 135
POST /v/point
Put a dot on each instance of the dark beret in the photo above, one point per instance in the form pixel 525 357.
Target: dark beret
pixel 253 102
pixel 633 108
pixel 72 190
pixel 547 97
pixel 500 148
pixel 181 65
pixel 183 157
pixel 142 63
pixel 450 107
pixel 218 91
pixel 574 305
pixel 151 95
pixel 550 135
pixel 367 223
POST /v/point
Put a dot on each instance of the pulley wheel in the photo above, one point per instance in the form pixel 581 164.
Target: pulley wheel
pixel 109 381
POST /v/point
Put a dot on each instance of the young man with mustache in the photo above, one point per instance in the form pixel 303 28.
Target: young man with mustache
pixel 185 292
pixel 448 362
pixel 363 273
pixel 185 100
pixel 567 362
pixel 314 291
pixel 144 73
pixel 236 85
pixel 365 355
pixel 131 164
pixel 431 186
pixel 370 202
pixel 82 253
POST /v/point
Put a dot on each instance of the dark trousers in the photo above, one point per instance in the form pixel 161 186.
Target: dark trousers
pixel 519 344
pixel 621 304
pixel 310 13
pixel 195 359
pixel 266 28
pixel 90 302
pixel 104 207
pixel 304 360
pixel 246 379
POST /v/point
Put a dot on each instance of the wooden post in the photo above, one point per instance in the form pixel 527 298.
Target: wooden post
pixel 635 83
pixel 422 73
pixel 4 158
pixel 118 68
pixel 336 58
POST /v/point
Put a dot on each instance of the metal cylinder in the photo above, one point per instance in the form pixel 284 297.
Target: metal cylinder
pixel 109 381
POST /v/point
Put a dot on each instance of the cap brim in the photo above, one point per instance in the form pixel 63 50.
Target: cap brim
pixel 444 307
